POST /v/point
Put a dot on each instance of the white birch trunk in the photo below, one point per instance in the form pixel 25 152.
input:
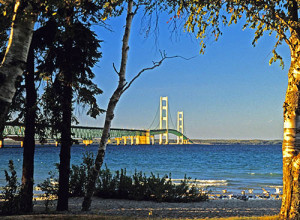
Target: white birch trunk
pixel 291 140
pixel 14 61
pixel 110 112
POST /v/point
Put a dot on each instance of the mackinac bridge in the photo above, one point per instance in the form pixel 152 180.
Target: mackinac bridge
pixel 158 134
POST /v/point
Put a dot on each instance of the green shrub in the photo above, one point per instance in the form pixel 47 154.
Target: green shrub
pixel 121 186
pixel 124 184
pixel 11 192
pixel 77 182
pixel 107 184
pixel 79 175
pixel 50 189
pixel 140 187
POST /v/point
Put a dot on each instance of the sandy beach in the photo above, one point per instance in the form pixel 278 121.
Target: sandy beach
pixel 146 209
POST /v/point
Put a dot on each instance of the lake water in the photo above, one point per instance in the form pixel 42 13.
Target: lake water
pixel 216 167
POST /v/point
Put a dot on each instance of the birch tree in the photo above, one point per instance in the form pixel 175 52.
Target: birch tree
pixel 123 85
pixel 277 18
pixel 14 60
pixel 5 19
pixel 69 50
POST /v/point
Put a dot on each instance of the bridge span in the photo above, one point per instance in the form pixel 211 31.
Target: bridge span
pixel 89 134
pixel 117 135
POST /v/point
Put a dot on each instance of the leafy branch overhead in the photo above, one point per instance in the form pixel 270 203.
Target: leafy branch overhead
pixel 207 17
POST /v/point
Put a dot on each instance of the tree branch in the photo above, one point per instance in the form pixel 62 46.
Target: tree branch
pixel 155 64
pixel 115 69
pixel 279 31
pixel 275 13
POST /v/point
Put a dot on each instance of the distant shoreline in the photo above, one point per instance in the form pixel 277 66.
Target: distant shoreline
pixel 195 141
pixel 237 142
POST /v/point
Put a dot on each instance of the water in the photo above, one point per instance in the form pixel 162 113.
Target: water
pixel 216 167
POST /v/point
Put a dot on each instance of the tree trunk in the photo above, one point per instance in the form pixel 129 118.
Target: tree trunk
pixel 29 141
pixel 65 151
pixel 14 61
pixel 66 139
pixel 109 113
pixel 291 146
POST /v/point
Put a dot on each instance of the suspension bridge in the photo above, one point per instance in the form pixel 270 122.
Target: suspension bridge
pixel 117 136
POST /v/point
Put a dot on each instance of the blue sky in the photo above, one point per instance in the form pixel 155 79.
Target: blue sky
pixel 230 92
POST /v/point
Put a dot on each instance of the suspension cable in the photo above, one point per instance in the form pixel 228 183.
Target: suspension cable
pixel 171 117
pixel 156 116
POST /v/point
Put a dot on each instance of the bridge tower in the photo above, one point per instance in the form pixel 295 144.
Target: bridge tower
pixel 163 119
pixel 180 127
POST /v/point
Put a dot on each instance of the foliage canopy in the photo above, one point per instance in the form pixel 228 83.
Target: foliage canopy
pixel 207 18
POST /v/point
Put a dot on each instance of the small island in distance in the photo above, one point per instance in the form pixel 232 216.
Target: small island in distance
pixel 234 141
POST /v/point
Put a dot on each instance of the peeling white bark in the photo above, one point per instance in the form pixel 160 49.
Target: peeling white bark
pixel 14 62
pixel 291 138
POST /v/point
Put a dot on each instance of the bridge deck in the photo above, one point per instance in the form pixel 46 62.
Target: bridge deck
pixel 89 133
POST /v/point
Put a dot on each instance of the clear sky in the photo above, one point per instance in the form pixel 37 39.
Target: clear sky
pixel 230 92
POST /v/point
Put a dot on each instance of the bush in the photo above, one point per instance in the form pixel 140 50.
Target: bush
pixel 77 182
pixel 50 189
pixel 109 186
pixel 79 175
pixel 11 192
pixel 140 187
pixel 120 186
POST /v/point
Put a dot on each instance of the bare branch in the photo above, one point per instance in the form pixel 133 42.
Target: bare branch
pixel 102 24
pixel 155 64
pixel 136 9
pixel 115 69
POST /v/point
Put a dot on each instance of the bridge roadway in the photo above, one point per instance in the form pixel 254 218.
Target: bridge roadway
pixel 88 134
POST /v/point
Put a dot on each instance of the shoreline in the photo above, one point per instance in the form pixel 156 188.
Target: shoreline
pixel 51 143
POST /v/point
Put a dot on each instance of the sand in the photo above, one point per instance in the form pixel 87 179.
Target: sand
pixel 146 209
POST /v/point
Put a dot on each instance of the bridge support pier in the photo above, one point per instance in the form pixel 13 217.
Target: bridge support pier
pixel 118 140
pixel 137 140
pixel 87 142
pixel 147 137
pixel 152 140
pixel 131 140
pixel 125 140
